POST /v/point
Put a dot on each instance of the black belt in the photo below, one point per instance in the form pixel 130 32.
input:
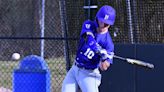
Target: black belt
pixel 82 67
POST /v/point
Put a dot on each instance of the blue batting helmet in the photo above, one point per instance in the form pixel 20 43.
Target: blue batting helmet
pixel 106 14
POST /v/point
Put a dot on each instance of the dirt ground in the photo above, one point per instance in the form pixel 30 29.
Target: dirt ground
pixel 2 89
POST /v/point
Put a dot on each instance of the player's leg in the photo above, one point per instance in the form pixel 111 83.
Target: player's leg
pixel 89 80
pixel 70 83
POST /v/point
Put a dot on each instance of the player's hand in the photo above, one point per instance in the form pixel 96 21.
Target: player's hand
pixel 104 65
pixel 103 54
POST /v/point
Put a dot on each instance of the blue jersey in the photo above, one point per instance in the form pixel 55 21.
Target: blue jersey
pixel 86 56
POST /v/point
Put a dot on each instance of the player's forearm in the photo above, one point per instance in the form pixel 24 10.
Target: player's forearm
pixel 97 48
pixel 90 40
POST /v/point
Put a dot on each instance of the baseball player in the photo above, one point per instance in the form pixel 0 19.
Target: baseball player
pixel 93 52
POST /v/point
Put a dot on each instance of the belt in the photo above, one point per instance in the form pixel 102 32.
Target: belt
pixel 82 67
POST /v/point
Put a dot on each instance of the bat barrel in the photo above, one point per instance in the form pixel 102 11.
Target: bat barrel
pixel 141 63
pixel 134 61
pixel 150 65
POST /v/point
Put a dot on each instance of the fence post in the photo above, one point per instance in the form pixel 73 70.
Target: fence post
pixel 90 8
pixel 129 20
pixel 63 15
pixel 42 24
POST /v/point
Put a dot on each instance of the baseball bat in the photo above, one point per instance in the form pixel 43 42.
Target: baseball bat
pixel 136 62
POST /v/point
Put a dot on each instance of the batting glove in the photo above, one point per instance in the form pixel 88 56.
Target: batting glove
pixel 103 54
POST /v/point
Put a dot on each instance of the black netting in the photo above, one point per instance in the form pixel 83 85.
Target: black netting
pixel 150 22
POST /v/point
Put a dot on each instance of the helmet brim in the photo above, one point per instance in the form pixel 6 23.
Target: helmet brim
pixel 106 21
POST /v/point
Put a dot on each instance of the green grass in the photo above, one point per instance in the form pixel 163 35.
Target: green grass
pixel 6 69
pixel 56 66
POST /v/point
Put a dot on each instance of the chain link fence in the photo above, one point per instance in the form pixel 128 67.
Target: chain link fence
pixel 20 31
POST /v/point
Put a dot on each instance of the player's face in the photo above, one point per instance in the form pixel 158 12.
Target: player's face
pixel 103 27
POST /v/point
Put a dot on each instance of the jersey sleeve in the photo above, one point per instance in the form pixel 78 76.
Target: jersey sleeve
pixel 87 34
pixel 93 44
pixel 87 26
pixel 110 49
